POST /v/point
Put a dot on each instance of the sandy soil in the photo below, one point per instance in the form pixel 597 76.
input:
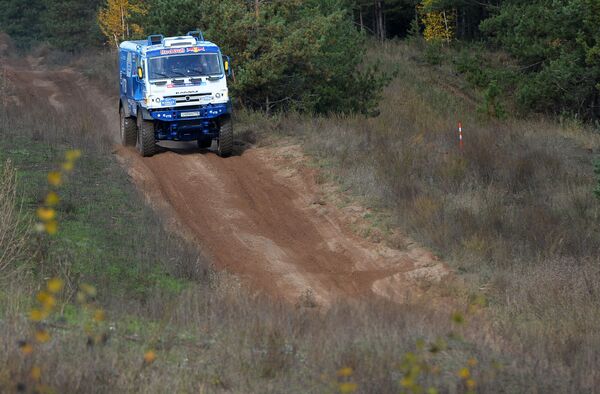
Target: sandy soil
pixel 260 214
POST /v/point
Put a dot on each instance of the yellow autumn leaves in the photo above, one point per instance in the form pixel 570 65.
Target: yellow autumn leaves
pixel 438 23
pixel 45 305
pixel 47 212
pixel 46 300
pixel 115 19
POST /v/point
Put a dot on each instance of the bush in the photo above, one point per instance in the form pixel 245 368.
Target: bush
pixel 305 55
pixel 492 106
pixel 558 46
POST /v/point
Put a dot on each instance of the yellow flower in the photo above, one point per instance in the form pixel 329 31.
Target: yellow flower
pixel 99 315
pixel 47 300
pixel 68 166
pixel 49 303
pixel 36 373
pixel 52 199
pixel 471 384
pixel 344 372
pixel 51 227
pixel 149 357
pixel 42 336
pixel 37 315
pixel 55 285
pixel 73 154
pixel 406 382
pixel 88 289
pixel 348 387
pixel 464 373
pixel 42 296
pixel 26 348
pixel 55 178
pixel 46 214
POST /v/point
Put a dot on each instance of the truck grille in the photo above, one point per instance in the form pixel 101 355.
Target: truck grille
pixel 191 99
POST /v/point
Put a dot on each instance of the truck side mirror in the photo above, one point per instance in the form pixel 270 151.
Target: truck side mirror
pixel 227 65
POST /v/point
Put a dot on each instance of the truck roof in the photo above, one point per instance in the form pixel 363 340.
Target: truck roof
pixel 159 43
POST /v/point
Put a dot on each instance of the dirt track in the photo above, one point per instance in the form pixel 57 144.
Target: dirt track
pixel 259 214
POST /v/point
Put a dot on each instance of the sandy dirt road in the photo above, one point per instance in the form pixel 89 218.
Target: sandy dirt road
pixel 259 214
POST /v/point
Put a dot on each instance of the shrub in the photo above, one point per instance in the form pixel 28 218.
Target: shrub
pixel 305 55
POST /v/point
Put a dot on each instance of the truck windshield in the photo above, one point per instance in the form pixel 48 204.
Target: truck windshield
pixel 196 65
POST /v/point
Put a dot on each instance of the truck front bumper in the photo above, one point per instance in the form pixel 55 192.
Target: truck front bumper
pixel 188 123
pixel 197 112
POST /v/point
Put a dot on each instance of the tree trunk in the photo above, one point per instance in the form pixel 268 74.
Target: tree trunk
pixel 379 23
pixel 360 17
pixel 463 27
pixel 122 23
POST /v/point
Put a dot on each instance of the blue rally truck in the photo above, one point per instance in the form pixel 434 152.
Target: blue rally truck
pixel 174 89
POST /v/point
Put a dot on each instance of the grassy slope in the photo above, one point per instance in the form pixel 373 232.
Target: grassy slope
pixel 513 212
pixel 210 334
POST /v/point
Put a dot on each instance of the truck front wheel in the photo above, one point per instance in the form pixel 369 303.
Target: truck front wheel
pixel 204 143
pixel 128 129
pixel 225 146
pixel 146 141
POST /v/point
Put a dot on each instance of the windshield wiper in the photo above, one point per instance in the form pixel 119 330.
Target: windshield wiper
pixel 160 74
pixel 179 73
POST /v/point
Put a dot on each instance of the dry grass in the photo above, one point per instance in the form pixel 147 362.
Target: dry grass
pixel 513 212
pixel 211 335
pixel 14 227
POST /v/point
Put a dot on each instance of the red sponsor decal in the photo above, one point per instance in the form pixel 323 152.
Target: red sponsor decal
pixel 196 49
pixel 171 51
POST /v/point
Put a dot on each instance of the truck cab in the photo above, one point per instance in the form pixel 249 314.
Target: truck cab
pixel 174 89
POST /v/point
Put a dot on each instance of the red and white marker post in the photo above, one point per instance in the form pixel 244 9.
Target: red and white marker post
pixel 460 136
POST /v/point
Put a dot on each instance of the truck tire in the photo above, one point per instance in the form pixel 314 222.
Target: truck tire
pixel 225 145
pixel 128 129
pixel 204 143
pixel 146 141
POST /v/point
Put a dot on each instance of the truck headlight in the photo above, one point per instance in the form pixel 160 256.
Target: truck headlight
pixel 218 95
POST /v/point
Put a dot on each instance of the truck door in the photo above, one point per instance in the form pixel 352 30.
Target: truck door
pixel 139 87
pixel 123 73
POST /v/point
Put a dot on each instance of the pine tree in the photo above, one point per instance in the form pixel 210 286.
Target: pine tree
pixel 557 43
pixel 22 20
pixel 172 17
pixel 70 24
pixel 301 54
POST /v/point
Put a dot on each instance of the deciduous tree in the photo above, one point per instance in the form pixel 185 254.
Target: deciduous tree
pixel 116 19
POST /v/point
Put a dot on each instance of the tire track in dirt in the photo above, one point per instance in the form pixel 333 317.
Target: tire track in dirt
pixel 260 221
pixel 258 214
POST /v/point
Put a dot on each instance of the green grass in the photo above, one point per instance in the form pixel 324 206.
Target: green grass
pixel 103 223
